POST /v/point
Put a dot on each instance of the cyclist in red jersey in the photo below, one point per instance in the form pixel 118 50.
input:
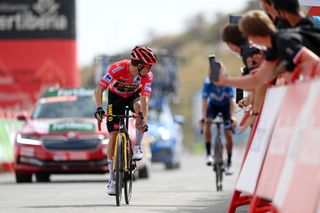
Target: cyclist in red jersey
pixel 129 84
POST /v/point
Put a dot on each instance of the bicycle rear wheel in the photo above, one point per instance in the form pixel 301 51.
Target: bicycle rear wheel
pixel 128 179
pixel 119 169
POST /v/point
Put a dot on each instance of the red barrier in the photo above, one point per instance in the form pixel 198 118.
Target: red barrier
pixel 256 149
pixel 304 187
pixel 293 103
pixel 283 135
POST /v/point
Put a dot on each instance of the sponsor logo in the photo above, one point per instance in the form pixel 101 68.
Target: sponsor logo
pixel 71 135
pixel 117 69
pixel 107 78
pixel 110 112
pixel 42 16
pixel 148 87
pixel 125 87
pixel 72 126
pixel 137 79
pixel 73 92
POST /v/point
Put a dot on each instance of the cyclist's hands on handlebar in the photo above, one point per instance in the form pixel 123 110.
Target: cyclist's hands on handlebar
pixel 99 113
pixel 141 124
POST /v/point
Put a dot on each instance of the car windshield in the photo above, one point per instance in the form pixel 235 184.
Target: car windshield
pixel 77 107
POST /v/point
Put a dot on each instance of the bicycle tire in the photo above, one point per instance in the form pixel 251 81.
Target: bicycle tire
pixel 128 180
pixel 219 178
pixel 119 169
pixel 218 163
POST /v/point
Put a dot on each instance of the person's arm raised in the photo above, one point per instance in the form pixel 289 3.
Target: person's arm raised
pixel 262 76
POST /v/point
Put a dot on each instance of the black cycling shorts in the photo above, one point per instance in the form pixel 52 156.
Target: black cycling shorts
pixel 213 110
pixel 117 106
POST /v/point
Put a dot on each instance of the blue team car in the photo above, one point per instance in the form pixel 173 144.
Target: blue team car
pixel 166 134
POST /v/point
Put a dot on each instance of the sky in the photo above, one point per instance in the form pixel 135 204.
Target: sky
pixel 113 26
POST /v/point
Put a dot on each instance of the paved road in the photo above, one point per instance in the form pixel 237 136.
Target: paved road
pixel 187 190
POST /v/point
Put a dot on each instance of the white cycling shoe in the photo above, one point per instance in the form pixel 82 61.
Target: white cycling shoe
pixel 229 170
pixel 209 160
pixel 111 187
pixel 138 153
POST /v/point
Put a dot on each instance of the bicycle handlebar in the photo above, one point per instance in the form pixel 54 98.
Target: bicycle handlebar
pixel 115 116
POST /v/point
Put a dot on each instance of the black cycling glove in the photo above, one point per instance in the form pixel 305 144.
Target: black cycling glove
pixel 99 112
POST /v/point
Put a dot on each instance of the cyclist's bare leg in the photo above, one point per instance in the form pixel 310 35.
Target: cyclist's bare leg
pixel 137 109
pixel 138 152
pixel 207 134
pixel 228 134
pixel 110 152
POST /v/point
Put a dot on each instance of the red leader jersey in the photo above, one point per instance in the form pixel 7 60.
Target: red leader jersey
pixel 118 80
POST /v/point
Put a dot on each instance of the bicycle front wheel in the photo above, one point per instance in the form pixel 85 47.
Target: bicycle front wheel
pixel 119 168
pixel 128 179
pixel 218 163
pixel 219 176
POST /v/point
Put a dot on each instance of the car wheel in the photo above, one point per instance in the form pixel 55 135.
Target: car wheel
pixel 23 177
pixel 172 165
pixel 42 177
pixel 144 172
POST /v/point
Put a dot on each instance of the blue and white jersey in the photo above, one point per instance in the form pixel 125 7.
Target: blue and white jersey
pixel 218 96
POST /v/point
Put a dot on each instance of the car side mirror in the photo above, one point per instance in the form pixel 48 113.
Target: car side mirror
pixel 179 119
pixel 22 117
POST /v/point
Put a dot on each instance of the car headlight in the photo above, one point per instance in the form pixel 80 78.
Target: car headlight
pixel 27 139
pixel 105 141
pixel 164 133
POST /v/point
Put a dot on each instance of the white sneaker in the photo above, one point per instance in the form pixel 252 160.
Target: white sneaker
pixel 229 170
pixel 209 160
pixel 138 153
pixel 111 187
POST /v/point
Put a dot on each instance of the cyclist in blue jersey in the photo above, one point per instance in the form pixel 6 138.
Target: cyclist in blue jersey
pixel 215 99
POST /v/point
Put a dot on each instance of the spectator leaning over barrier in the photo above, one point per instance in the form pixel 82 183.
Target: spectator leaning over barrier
pixel 252 57
pixel 286 46
pixel 268 8
pixel 288 11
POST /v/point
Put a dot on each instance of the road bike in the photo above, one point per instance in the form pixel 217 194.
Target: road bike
pixel 218 163
pixel 123 166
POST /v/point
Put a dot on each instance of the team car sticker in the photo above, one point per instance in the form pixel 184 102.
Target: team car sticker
pixel 72 126
pixel 54 92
